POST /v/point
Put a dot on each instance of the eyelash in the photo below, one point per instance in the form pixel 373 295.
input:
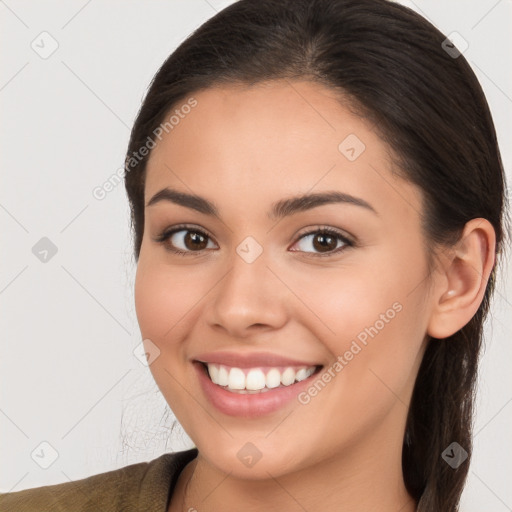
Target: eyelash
pixel 165 235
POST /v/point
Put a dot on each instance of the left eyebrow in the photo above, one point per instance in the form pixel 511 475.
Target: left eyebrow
pixel 286 207
pixel 280 209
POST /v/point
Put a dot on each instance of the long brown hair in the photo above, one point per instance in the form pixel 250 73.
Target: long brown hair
pixel 426 103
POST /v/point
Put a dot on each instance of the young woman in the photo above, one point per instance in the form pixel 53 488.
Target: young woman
pixel 317 202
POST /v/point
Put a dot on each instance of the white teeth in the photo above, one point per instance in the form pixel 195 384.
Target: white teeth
pixel 273 378
pixel 256 381
pixel 236 379
pixel 302 374
pixel 288 377
pixel 214 372
pixel 222 377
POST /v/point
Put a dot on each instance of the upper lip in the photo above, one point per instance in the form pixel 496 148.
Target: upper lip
pixel 249 360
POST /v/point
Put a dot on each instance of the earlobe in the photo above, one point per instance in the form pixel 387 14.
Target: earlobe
pixel 463 279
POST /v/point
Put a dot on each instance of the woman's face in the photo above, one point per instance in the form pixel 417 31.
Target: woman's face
pixel 260 280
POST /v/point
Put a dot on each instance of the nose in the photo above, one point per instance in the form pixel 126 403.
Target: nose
pixel 248 299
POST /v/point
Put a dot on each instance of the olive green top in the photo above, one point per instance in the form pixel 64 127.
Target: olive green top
pixel 141 487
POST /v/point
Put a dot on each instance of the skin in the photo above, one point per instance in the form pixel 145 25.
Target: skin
pixel 244 148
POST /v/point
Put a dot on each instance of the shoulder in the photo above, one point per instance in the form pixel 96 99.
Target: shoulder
pixel 143 486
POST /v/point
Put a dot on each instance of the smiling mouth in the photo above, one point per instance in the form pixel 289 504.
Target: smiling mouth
pixel 256 380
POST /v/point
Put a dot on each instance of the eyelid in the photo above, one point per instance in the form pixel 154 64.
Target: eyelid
pixel 346 238
pixel 166 233
pixel 164 236
pixel 325 228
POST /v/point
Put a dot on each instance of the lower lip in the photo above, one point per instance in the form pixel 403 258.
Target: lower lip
pixel 249 405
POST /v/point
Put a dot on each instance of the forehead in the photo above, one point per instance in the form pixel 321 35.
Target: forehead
pixel 263 142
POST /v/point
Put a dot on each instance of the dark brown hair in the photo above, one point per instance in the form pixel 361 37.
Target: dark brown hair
pixel 426 104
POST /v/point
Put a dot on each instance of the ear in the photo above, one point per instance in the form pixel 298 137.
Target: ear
pixel 463 277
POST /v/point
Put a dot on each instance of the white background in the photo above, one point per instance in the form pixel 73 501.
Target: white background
pixel 68 326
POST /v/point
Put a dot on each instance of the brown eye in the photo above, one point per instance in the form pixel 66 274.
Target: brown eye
pixel 195 241
pixel 325 242
pixel 185 241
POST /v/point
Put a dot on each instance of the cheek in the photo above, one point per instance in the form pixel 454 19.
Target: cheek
pixel 371 315
pixel 152 299
pixel 374 348
pixel 164 303
pixel 164 300
pixel 339 303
